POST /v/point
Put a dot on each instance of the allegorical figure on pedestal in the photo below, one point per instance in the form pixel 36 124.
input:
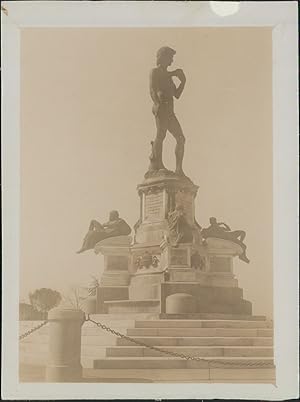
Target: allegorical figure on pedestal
pixel 162 91
pixel 222 231
pixel 179 229
pixel 97 231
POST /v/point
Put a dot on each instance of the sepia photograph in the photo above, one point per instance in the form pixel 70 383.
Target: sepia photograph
pixel 146 205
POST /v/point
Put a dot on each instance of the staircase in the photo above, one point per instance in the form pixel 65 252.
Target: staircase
pixel 234 341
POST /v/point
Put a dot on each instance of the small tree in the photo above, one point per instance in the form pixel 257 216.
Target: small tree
pixel 73 299
pixel 44 299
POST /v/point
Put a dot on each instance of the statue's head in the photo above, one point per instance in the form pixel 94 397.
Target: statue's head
pixel 113 215
pixel 212 220
pixel 164 56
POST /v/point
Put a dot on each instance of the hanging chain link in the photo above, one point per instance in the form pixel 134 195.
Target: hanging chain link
pixel 247 363
pixel 32 330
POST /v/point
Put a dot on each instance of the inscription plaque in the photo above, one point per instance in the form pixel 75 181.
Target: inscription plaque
pixel 220 264
pixel 154 206
pixel 179 257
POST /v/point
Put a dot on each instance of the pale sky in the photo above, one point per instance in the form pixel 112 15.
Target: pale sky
pixel 86 132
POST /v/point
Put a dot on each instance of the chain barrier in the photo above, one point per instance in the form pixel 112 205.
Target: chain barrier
pixel 247 363
pixel 32 330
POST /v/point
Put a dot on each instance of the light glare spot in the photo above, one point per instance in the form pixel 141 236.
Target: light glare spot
pixel 224 8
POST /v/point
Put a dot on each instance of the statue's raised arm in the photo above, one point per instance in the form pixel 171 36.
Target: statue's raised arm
pixel 181 76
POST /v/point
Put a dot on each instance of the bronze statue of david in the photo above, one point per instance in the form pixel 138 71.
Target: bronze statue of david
pixel 162 91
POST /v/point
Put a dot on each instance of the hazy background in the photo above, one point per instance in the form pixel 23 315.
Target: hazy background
pixel 86 131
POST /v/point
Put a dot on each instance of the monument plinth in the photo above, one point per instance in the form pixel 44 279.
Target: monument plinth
pixel 159 194
pixel 170 255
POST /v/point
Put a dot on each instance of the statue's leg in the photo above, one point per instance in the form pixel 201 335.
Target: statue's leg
pixel 95 231
pixel 176 130
pixel 243 256
pixel 91 239
pixel 161 126
pixel 239 234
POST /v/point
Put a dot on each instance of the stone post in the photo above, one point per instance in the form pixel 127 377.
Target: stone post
pixel 64 345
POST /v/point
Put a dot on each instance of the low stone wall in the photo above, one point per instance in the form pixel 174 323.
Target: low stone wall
pixel 33 349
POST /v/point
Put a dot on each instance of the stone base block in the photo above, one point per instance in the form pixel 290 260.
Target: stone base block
pixel 132 306
pixel 182 275
pixel 209 299
pixel 181 303
pixel 217 279
pixel 145 286
pixel 105 293
pixel 116 278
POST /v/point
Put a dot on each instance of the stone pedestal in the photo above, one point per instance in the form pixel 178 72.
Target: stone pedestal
pixel 159 196
pixel 115 278
pixel 140 275
pixel 116 251
pixel 64 346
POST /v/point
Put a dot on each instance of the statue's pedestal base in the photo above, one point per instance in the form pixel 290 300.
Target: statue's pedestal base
pixel 203 272
pixel 141 273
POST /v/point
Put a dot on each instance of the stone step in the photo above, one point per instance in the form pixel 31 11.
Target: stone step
pixel 177 363
pixel 218 375
pixel 202 324
pixel 93 351
pixel 111 318
pixel 202 351
pixel 105 319
pixel 90 329
pixel 165 316
pixel 186 332
pixel 198 341
pixel 99 340
pixel 211 316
